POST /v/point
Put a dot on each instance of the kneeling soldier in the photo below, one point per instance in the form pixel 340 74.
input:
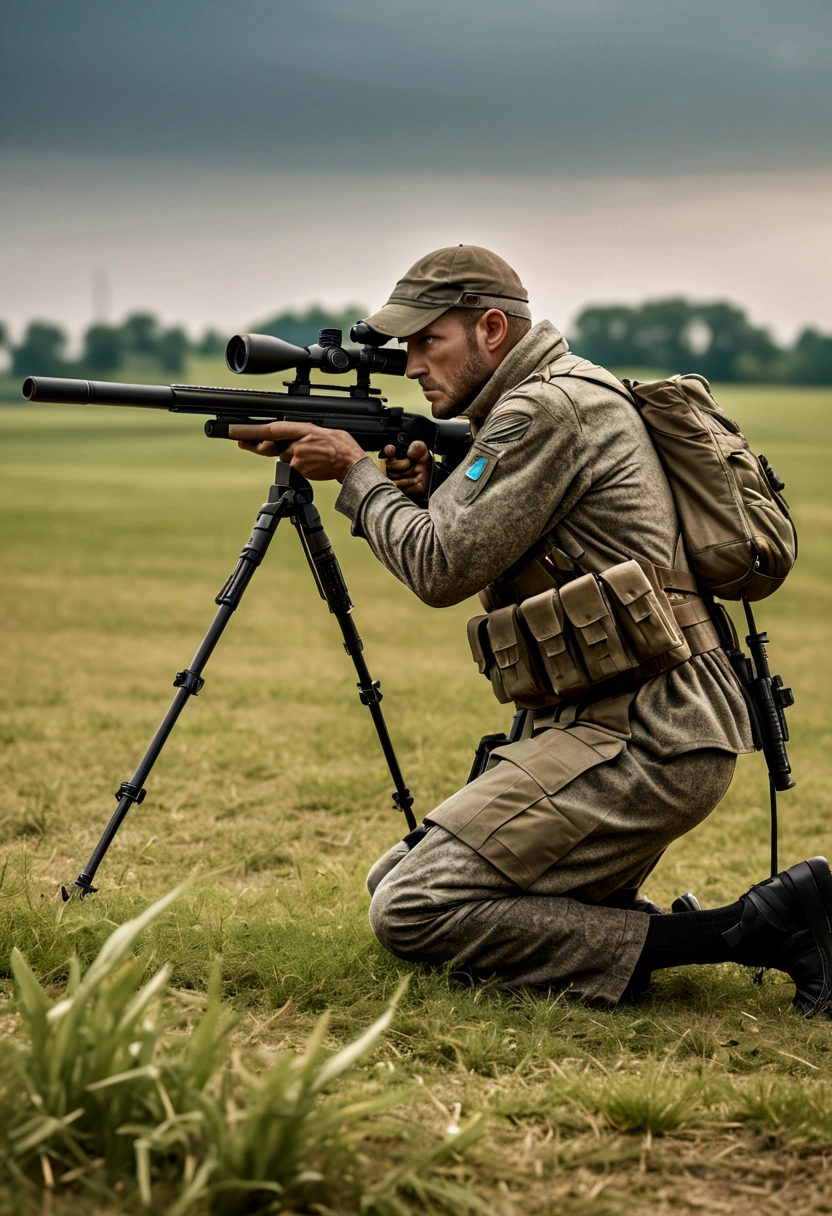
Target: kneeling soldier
pixel 562 519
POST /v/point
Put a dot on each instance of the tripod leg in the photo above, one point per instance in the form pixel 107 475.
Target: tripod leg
pixel 333 588
pixel 190 681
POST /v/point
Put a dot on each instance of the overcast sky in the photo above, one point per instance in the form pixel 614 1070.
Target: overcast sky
pixel 215 159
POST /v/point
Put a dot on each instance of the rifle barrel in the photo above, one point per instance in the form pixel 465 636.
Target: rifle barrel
pixel 192 398
pixel 56 390
pixel 368 419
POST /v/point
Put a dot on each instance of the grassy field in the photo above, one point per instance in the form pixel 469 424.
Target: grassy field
pixel 118 529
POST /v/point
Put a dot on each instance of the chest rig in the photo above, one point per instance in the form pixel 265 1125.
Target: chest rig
pixel 554 631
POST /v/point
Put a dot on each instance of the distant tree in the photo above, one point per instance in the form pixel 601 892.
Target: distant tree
pixel 302 328
pixel 210 344
pixel 649 335
pixel 737 350
pixel 140 333
pixel 810 359
pixel 41 351
pixel 603 335
pixel 659 331
pixel 676 335
pixel 171 348
pixel 103 349
pixel 4 334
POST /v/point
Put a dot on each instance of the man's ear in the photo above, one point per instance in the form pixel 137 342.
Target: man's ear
pixel 494 326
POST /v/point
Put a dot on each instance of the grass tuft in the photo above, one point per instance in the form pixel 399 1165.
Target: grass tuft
pixel 111 1082
pixel 652 1101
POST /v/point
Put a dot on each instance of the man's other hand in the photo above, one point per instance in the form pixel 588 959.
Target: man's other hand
pixel 413 474
pixel 319 454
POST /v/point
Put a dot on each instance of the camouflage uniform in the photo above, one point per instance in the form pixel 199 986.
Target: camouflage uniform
pixel 512 879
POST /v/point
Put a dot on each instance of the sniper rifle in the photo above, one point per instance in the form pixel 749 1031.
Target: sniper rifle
pixel 364 414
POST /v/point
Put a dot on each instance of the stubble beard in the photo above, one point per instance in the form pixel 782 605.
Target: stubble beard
pixel 461 386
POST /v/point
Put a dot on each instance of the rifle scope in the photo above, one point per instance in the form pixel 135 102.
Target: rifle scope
pixel 260 354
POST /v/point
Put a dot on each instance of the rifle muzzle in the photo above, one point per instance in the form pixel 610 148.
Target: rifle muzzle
pixel 58 391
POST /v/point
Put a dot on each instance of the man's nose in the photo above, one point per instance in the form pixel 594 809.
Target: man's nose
pixel 416 365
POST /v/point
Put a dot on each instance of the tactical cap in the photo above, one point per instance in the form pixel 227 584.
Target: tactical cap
pixel 462 276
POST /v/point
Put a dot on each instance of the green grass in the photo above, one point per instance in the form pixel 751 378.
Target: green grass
pixel 168 1107
pixel 118 529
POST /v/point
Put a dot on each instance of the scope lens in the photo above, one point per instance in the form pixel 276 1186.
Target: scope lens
pixel 392 362
pixel 338 359
pixel 236 353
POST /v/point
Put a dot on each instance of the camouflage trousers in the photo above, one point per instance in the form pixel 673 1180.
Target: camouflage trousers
pixel 442 904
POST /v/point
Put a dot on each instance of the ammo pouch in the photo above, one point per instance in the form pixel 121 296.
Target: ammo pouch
pixel 598 634
pixel 503 652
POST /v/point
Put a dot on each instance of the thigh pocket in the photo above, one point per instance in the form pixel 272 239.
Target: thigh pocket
pixel 508 815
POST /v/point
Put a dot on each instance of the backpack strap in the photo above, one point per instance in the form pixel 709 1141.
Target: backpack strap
pixel 573 367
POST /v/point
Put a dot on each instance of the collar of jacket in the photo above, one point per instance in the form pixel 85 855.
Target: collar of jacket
pixel 540 347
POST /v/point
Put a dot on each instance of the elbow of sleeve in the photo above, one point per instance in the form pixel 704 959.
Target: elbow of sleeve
pixel 441 595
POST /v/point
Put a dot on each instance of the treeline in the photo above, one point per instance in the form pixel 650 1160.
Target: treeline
pixel 141 341
pixel 668 336
pixel 717 340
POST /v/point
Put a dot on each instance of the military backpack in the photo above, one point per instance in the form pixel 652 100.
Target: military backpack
pixel 738 535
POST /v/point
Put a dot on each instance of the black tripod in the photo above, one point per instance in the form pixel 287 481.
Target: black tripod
pixel 289 498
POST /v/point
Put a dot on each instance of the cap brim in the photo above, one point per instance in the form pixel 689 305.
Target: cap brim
pixel 403 320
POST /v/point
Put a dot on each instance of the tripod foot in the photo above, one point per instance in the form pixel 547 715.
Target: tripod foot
pixel 79 889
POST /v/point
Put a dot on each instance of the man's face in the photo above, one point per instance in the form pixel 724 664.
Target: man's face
pixel 450 363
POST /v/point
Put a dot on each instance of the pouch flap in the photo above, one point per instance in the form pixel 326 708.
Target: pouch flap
pixel 544 617
pixel 555 757
pixel 583 601
pixel 628 582
pixel 478 641
pixel 502 635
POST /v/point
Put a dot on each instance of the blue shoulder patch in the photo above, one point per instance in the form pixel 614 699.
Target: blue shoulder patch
pixel 477 468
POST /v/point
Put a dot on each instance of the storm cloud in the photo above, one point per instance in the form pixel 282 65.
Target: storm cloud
pixel 566 87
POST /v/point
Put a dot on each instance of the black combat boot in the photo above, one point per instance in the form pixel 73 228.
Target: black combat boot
pixel 786 923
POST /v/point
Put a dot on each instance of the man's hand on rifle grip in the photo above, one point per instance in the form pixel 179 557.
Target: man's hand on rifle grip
pixel 413 474
pixel 318 453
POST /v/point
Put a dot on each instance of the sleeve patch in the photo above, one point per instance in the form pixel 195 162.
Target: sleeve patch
pixel 506 428
pixel 476 470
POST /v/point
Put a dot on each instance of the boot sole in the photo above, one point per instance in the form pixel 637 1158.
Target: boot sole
pixel 812 884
